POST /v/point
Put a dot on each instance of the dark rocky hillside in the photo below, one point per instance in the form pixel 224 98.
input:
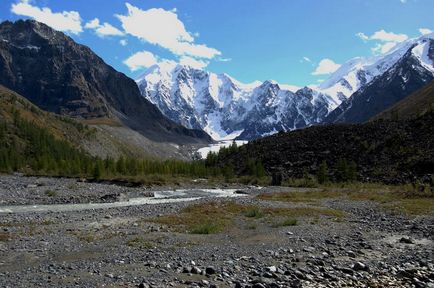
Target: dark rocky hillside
pixel 61 76
pixel 384 151
pixel 411 106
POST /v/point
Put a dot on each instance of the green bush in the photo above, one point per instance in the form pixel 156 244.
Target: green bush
pixel 254 212
pixel 323 173
pixel 206 228
pixel 286 222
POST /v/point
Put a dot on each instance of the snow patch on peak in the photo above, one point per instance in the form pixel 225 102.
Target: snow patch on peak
pixel 421 53
pixel 359 71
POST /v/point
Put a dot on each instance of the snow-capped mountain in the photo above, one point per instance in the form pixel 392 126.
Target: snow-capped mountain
pixel 359 71
pixel 410 66
pixel 226 108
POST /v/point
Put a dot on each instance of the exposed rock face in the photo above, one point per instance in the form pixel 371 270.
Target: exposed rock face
pixel 61 76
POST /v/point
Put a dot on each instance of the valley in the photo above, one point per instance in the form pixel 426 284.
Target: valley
pixel 182 177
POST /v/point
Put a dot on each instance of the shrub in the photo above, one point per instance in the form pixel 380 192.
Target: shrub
pixel 254 212
pixel 206 228
pixel 323 173
pixel 50 193
pixel 286 222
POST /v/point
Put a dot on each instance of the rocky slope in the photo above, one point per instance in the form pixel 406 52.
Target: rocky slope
pixel 61 76
pixel 384 151
pixel 411 106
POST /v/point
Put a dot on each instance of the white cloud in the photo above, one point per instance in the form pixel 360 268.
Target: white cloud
pixel 92 24
pixel 66 21
pixel 362 36
pixel 102 30
pixel 388 36
pixel 403 1
pixel 140 60
pixel 123 42
pixel 195 63
pixel 385 41
pixel 425 31
pixel 307 59
pixel 161 27
pixel 383 48
pixel 224 59
pixel 326 66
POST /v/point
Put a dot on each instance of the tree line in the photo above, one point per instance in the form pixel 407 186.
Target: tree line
pixel 27 147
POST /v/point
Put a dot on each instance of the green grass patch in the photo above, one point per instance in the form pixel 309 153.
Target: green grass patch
pixel 254 212
pixel 216 217
pixel 284 223
pixel 50 193
pixel 205 218
pixel 211 227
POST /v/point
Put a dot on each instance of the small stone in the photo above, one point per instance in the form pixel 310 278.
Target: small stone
pixel 186 270
pixel 272 269
pixel 351 254
pixel 406 240
pixel 196 270
pixel 210 270
pixel 359 266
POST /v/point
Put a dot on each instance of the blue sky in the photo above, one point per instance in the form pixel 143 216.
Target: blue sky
pixel 296 42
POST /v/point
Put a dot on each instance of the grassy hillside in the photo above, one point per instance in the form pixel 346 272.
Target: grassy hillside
pixel 100 137
pixel 13 105
pixel 37 142
pixel 33 140
pixel 416 104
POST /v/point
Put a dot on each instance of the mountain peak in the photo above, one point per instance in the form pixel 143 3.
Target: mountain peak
pixel 62 76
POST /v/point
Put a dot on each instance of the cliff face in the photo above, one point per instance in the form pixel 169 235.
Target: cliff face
pixel 64 77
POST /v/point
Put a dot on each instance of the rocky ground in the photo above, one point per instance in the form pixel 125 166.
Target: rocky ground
pixel 364 245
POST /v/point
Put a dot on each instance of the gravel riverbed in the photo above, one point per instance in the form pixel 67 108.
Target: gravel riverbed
pixel 121 247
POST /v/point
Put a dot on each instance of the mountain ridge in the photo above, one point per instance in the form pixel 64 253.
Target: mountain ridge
pixel 62 76
pixel 226 108
pixel 404 77
pixel 222 106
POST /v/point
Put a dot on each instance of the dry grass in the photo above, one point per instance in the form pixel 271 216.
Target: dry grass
pixel 4 237
pixel 207 218
pixel 140 243
pixel 215 217
pixel 308 196
pixel 405 199
pixel 103 121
